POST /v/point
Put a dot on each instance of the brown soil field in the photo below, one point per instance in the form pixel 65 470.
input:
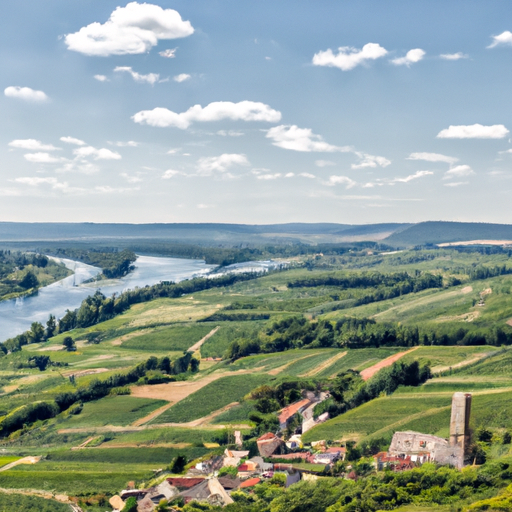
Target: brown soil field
pixel 372 370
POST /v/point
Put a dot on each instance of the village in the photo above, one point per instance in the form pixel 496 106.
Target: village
pixel 286 460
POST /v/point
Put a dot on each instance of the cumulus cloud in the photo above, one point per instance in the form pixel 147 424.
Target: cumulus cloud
pixel 370 161
pixel 170 173
pixel 269 176
pixel 121 144
pixel 101 78
pixel 301 139
pixel 230 133
pixel 289 175
pixel 324 163
pixel 36 181
pixel 411 57
pixel 25 93
pixel 216 111
pixel 416 175
pixel 503 38
pixel 181 77
pixel 72 140
pixel 133 29
pixel 341 180
pixel 456 183
pixel 458 172
pixel 97 154
pixel 307 175
pixel 433 157
pixel 150 78
pixel 208 165
pixel 347 57
pixel 32 145
pixel 453 56
pixel 130 179
pixel 42 158
pixel 168 54
pixel 474 131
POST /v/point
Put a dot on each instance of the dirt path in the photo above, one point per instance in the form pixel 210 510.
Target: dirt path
pixel 279 369
pixel 42 494
pixel 25 460
pixel 85 443
pixel 324 365
pixel 372 370
pixel 152 415
pixel 197 345
pixel 466 362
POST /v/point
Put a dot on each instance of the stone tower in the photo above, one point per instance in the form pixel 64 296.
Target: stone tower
pixel 459 422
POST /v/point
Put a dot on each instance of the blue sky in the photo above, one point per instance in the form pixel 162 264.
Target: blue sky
pixel 256 112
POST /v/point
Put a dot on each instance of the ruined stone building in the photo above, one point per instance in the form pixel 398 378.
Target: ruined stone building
pixel 421 448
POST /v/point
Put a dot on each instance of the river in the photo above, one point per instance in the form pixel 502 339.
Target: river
pixel 17 315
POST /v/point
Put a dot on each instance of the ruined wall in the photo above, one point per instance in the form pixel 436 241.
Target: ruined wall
pixel 411 443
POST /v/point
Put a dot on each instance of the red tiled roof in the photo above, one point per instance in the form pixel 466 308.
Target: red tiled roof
pixel 292 409
pixel 267 436
pixel 250 483
pixel 336 449
pixel 185 483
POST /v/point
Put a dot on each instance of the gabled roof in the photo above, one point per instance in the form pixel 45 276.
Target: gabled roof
pixel 291 410
pixel 266 437
pixel 185 482
pixel 251 482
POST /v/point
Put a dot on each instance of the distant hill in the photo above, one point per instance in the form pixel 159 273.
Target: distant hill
pixel 440 232
pixel 201 233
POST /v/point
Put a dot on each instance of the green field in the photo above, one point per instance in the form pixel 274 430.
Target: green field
pixel 117 410
pixel 212 397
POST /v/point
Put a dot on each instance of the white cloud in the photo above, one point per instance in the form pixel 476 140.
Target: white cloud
pixel 36 181
pixel 458 171
pixel 150 78
pixel 432 157
pixel 25 93
pixel 301 139
pixel 453 56
pixel 41 158
pixel 411 57
pixel 122 144
pixel 72 140
pixel 32 145
pixel 230 133
pixel 370 161
pixel 269 176
pixel 133 29
pixel 474 131
pixel 97 154
pixel 307 175
pixel 170 174
pixel 168 54
pixel 181 77
pixel 456 183
pixel 289 175
pixel 81 166
pixel 101 78
pixel 324 163
pixel 341 180
pixel 130 179
pixel 216 111
pixel 503 38
pixel 416 175
pixel 222 163
pixel 348 57
pixel 106 189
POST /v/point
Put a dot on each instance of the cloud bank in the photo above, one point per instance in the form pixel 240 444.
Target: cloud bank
pixel 474 131
pixel 348 58
pixel 133 29
pixel 216 111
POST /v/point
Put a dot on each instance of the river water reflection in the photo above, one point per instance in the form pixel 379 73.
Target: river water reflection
pixel 17 315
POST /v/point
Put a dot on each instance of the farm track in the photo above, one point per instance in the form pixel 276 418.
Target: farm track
pixel 326 364
pixel 152 416
pixel 24 460
pixel 197 346
pixel 280 369
pixel 43 494
pixel 466 362
pixel 372 370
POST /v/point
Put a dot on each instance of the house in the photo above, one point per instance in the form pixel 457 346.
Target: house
pixel 287 413
pixel 229 482
pixel 251 482
pixel 261 464
pixel 209 490
pixel 268 444
pixel 182 483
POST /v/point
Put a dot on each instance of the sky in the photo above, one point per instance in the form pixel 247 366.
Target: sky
pixel 256 112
